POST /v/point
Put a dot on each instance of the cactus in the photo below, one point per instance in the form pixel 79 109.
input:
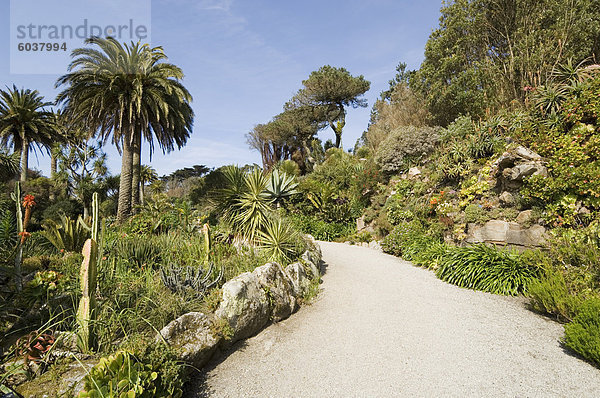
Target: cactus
pixel 88 276
pixel 16 196
pixel 207 243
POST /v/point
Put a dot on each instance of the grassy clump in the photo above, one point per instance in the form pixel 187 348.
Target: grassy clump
pixel 486 268
pixel 583 334
pixel 431 253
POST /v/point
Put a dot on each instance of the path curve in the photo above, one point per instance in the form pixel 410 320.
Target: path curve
pixel 382 327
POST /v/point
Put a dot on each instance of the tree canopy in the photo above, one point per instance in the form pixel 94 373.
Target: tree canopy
pixel 332 90
pixel 485 52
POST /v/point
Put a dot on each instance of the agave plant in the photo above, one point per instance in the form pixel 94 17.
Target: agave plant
pixel 568 73
pixel 139 252
pixel 278 240
pixel 68 235
pixel 280 186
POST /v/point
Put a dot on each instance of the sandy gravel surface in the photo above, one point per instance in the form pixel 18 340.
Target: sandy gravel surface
pixel 383 328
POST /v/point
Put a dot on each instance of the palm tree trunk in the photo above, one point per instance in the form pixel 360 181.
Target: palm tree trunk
pixel 53 164
pixel 142 184
pixel 137 169
pixel 24 160
pixel 124 206
pixel 53 169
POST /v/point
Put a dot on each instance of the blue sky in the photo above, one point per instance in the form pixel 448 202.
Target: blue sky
pixel 244 59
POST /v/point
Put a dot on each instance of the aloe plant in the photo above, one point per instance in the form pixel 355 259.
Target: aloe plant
pixel 88 277
pixel 69 235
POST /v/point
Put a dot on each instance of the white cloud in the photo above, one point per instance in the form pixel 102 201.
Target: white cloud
pixel 220 5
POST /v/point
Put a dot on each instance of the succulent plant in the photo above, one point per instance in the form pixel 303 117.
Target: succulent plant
pixel 88 277
pixel 190 278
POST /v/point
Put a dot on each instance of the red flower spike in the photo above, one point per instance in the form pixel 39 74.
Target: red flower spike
pixel 28 201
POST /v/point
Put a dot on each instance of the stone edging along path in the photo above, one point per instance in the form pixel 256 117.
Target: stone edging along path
pixel 249 302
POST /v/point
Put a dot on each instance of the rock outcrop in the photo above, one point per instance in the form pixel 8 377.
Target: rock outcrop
pixel 70 382
pixel 245 305
pixel 192 337
pixel 505 233
pixel 516 164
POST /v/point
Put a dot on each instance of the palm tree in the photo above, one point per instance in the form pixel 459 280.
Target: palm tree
pixel 24 121
pixel 147 175
pixel 129 92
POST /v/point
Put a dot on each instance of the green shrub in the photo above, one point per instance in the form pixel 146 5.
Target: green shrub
pixel 405 147
pixel 583 334
pixel 475 213
pixel 320 229
pixel 403 236
pixel 460 128
pixel 486 268
pixel 396 210
pixel 550 295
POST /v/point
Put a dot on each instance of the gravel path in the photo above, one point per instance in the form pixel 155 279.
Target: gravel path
pixel 382 328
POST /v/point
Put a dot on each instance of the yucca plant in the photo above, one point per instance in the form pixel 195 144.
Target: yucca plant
pixel 68 235
pixel 486 268
pixel 244 201
pixel 278 240
pixel 253 205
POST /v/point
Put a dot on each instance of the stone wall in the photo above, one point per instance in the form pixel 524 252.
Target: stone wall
pixel 250 302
